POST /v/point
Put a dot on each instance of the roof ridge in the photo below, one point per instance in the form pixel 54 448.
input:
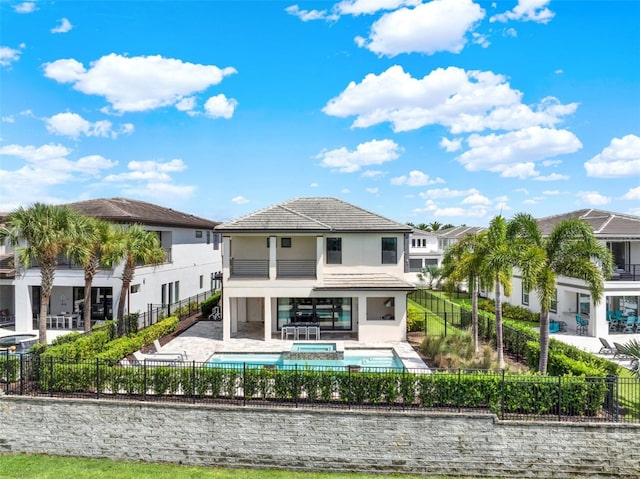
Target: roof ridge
pixel 303 215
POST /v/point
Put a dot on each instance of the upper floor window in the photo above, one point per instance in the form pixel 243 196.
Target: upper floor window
pixel 413 243
pixel 525 296
pixel 285 242
pixel 334 250
pixel 389 250
pixel 554 302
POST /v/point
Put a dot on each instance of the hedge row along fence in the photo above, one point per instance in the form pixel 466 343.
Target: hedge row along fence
pixel 477 390
pixel 521 340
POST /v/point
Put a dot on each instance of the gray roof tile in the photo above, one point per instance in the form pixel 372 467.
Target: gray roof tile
pixel 123 210
pixel 605 224
pixel 313 215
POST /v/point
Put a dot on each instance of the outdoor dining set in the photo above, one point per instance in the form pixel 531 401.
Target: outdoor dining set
pixel 298 331
pixel 619 322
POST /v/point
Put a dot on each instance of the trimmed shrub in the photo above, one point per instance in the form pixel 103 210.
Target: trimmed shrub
pixel 208 304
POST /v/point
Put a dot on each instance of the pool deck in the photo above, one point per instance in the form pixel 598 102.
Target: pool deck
pixel 204 338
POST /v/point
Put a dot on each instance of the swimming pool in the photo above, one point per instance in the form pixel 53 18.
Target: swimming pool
pixel 362 358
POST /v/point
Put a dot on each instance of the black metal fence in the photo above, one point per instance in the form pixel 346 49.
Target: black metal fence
pixel 182 309
pixel 509 396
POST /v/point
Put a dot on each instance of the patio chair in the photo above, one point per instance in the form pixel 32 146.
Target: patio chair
pixel 619 355
pixel 288 332
pixel 606 347
pixel 301 332
pixel 581 324
pixel 153 359
pixel 630 325
pixel 313 331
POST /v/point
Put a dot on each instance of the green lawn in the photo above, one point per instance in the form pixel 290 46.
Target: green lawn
pixel 23 466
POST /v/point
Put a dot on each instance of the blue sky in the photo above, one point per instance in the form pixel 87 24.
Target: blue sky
pixel 445 110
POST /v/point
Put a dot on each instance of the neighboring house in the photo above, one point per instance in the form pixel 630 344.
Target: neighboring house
pixel 316 260
pixel 426 248
pixel 621 234
pixel 193 256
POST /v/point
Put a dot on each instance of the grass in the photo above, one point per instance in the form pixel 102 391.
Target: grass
pixel 24 466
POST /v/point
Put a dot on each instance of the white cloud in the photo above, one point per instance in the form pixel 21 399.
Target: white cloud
pixel 439 25
pixel 8 56
pixel 306 15
pixel 8 119
pixel 372 174
pixel 480 39
pixel 159 191
pixel 451 145
pixel 463 101
pixel 476 199
pixel 551 192
pixel 313 185
pixel 137 83
pixel 63 27
pixel 416 178
pixel 220 106
pixel 511 32
pixel 45 169
pixel 367 7
pixel 148 171
pixel 239 200
pixel 25 7
pixel 186 104
pixel 439 193
pixel 527 11
pixel 374 152
pixel 74 125
pixel 373 191
pixel 514 154
pixel 620 159
pixel 632 194
pixel 552 177
pixel 593 198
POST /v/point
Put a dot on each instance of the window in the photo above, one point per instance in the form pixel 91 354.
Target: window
pixel 389 251
pixel 525 296
pixel 216 241
pixel 198 233
pixel 135 288
pixel 201 281
pixel 415 265
pixel 176 289
pixel 554 302
pixel 208 237
pixel 334 250
pixel 413 243
pixel 285 242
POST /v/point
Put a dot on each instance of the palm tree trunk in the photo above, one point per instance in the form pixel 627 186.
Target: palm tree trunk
pixel 86 313
pixel 544 342
pixel 42 318
pixel 474 315
pixel 47 273
pixel 127 276
pixel 499 338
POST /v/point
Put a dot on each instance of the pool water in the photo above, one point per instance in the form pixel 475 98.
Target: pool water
pixel 364 358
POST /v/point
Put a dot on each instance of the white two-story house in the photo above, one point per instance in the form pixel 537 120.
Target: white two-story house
pixel 193 256
pixel 621 297
pixel 320 261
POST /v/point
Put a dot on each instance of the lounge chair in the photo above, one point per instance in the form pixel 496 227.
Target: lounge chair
pixel 157 358
pixel 156 344
pixel 606 347
pixel 618 355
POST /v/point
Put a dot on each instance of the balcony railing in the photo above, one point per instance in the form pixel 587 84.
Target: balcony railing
pixel 296 268
pixel 249 268
pixel 628 272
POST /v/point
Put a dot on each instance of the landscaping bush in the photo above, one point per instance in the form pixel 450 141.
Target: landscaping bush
pixel 206 307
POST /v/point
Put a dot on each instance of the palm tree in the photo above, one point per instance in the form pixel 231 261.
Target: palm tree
pixel 462 262
pixel 133 244
pixel 632 349
pixel 96 237
pixel 48 231
pixel 571 250
pixel 435 226
pixel 431 274
pixel 496 271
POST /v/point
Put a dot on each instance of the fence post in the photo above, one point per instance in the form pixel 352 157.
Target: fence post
pixel 6 368
pixel 502 394
pixel 244 384
pixel 559 398
pixel 445 324
pixel 97 378
pixel 193 380
pixel 51 376
pixel 425 323
pixel 22 359
pixel 459 389
pixel 144 379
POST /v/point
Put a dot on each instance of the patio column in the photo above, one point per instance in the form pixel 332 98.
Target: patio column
pixel 273 266
pixel 267 318
pixel 319 256
pixel 226 318
pixel 599 318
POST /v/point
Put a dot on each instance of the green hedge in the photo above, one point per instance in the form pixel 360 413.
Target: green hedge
pixel 208 304
pixel 9 367
pixel 521 394
pixel 101 343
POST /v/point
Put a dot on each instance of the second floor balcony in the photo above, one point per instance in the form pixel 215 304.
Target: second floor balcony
pixel 627 272
pixel 285 268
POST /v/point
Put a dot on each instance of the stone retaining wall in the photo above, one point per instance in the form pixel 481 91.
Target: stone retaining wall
pixel 329 440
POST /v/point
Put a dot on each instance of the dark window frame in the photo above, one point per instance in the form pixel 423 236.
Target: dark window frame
pixel 389 255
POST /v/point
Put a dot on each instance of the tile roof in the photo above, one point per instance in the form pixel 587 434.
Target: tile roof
pixel 458 231
pixel 313 215
pixel 123 210
pixel 605 224
pixel 363 281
